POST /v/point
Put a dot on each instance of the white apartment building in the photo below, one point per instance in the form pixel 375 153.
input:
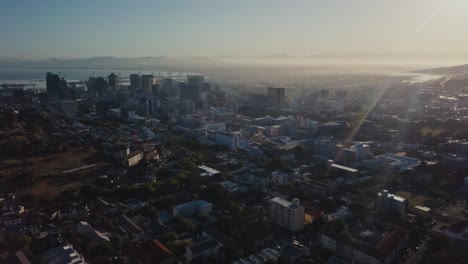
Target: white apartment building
pixel 387 201
pixel 287 214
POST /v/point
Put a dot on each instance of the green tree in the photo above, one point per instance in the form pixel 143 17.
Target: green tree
pixel 214 193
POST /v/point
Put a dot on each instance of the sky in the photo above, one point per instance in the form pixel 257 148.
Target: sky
pixel 32 29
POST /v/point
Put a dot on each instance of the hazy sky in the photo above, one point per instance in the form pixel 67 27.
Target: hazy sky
pixel 123 28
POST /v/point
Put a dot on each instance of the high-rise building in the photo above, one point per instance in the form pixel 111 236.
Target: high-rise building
pixel 196 80
pixel 390 202
pixel 276 96
pixel 147 82
pixel 55 85
pixel 149 107
pixel 135 81
pixel 189 92
pixel 100 86
pixel 362 151
pixel 286 214
pixel 168 87
pixel 113 80
pixel 192 90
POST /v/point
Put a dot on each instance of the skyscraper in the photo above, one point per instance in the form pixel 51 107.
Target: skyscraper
pixel 135 81
pixel 113 80
pixel 192 89
pixel 55 85
pixel 195 80
pixel 101 86
pixel 276 96
pixel 147 83
pixel 167 88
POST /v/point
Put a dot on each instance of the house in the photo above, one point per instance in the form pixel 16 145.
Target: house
pixel 229 186
pixel 295 250
pixel 202 249
pixel 151 155
pixel 10 219
pixel 130 228
pixel 158 253
pixel 104 207
pixel 86 230
pixel 63 254
pixel 342 212
pixel 265 256
pixel 75 211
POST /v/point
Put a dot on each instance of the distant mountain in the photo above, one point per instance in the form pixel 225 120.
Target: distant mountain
pixel 143 63
pixel 452 70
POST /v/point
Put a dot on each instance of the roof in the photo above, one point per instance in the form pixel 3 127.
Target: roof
pixel 204 245
pixel 423 208
pixel 158 251
pixel 389 241
pixel 129 225
pixel 134 153
pixel 199 203
pixel 341 167
pixel 63 254
pixel 458 227
pixel 207 171
pixel 392 196
pixel 281 201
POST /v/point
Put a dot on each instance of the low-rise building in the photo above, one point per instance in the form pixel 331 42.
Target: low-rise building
pixel 133 158
pixel 398 163
pixel 280 178
pixel 202 249
pixel 63 254
pixel 365 243
pixel 194 208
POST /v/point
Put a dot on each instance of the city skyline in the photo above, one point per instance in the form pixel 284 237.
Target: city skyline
pixel 56 29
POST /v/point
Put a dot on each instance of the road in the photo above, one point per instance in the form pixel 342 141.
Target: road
pixel 415 258
pixel 80 168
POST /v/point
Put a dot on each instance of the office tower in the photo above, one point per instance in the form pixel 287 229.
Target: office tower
pixel 276 96
pixel 147 82
pixel 196 80
pixel 149 107
pixel 113 80
pixel 192 89
pixel 135 81
pixel 286 214
pixel 167 88
pixel 100 86
pixel 55 85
